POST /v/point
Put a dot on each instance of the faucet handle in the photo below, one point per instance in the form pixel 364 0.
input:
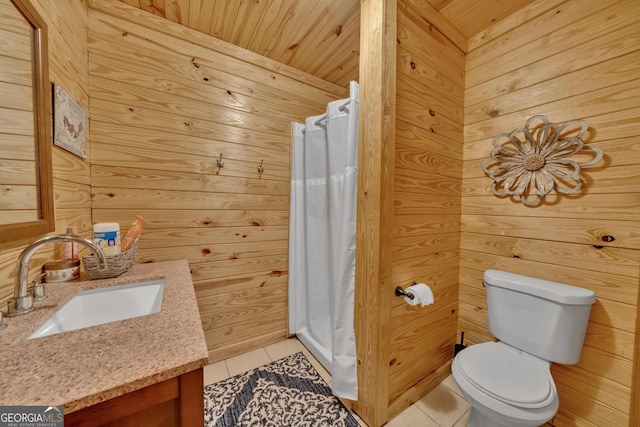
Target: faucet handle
pixel 20 305
pixel 38 289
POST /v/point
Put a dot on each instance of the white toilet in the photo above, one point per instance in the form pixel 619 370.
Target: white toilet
pixel 509 383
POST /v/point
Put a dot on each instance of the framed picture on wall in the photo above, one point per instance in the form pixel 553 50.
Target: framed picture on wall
pixel 69 123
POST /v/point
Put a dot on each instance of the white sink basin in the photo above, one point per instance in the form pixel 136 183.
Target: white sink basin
pixel 104 305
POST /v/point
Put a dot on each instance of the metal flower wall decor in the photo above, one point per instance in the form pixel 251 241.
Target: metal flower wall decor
pixel 531 161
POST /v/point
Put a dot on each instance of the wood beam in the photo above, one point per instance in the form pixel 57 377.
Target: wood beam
pixel 375 206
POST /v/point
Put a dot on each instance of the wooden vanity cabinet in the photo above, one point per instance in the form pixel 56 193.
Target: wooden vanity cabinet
pixel 177 401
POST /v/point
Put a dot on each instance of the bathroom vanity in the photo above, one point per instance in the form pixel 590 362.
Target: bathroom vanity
pixel 144 370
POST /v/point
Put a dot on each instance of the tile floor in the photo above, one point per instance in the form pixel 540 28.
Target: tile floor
pixel 444 406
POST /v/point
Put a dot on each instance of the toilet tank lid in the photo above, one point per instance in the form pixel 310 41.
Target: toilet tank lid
pixel 559 292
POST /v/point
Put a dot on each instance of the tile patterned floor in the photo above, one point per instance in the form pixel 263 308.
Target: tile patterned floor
pixel 444 406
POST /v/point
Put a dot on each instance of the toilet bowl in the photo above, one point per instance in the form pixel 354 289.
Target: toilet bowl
pixel 505 386
pixel 508 383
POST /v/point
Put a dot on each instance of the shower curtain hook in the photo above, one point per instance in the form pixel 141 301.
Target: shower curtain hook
pixel 260 168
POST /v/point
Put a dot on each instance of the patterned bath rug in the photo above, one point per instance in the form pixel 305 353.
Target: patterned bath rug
pixel 287 392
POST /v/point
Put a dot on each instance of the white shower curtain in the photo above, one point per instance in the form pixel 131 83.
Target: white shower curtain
pixel 322 239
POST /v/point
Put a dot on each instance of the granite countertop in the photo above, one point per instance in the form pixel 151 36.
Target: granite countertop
pixel 87 366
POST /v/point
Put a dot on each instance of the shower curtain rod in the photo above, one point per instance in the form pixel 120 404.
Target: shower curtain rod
pixel 340 108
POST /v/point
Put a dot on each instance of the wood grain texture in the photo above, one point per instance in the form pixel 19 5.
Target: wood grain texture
pixel 322 38
pixel 635 376
pixel 176 401
pixel 67 42
pixel 470 18
pixel 25 200
pixel 427 186
pixel 374 223
pixel 166 102
pixel 567 60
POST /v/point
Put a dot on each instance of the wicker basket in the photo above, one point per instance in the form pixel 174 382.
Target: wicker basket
pixel 116 264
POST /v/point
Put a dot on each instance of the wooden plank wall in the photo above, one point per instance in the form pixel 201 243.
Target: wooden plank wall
pixel 166 102
pixel 375 208
pixel 566 60
pixel 426 220
pixel 67 36
pixel 18 196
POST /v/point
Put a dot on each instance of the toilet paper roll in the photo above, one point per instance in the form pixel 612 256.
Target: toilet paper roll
pixel 421 294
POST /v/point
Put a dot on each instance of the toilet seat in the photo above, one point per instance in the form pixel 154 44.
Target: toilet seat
pixel 508 374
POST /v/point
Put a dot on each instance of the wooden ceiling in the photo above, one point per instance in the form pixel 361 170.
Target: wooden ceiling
pixel 320 37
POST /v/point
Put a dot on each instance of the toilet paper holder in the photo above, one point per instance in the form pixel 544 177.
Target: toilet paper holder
pixel 402 293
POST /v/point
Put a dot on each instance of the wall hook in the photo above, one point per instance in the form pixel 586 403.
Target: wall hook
pixel 260 168
pixel 220 163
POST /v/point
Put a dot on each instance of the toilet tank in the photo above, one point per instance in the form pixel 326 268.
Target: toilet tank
pixel 543 318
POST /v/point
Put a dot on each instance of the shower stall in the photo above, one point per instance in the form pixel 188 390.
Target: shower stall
pixel 322 239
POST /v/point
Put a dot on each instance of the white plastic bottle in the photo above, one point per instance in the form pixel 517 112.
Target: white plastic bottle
pixel 107 236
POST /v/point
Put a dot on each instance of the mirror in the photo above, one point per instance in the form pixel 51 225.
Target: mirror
pixel 26 187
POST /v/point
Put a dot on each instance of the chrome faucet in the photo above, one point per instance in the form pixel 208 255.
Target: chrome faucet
pixel 22 302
